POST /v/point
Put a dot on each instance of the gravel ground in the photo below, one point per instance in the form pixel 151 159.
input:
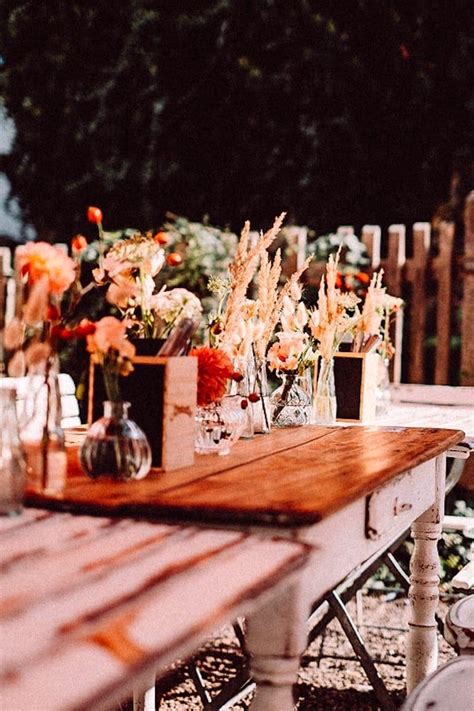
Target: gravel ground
pixel 330 677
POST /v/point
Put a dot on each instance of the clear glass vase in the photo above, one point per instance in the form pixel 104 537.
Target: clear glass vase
pixel 290 402
pixel 40 429
pixel 325 404
pixel 12 461
pixel 115 446
pixel 219 425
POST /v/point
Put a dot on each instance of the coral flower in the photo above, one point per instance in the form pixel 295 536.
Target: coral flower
pixel 214 370
pixel 40 259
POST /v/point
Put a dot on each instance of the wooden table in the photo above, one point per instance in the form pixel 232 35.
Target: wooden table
pixel 346 490
pixel 92 607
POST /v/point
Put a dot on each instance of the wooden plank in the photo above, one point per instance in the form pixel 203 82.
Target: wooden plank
pixel 396 258
pixel 298 485
pixel 114 616
pixel 467 322
pixel 393 267
pixel 417 276
pixel 442 265
pixel 372 238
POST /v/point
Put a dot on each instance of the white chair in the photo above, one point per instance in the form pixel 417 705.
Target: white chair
pixel 69 404
pixel 449 688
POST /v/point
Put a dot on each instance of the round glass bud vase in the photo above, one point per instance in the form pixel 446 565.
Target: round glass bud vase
pixel 290 402
pixel 325 403
pixel 115 446
pixel 219 425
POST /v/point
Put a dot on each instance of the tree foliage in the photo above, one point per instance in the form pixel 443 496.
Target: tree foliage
pixel 345 112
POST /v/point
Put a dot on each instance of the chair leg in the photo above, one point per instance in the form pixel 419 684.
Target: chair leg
pixel 360 649
pixel 397 571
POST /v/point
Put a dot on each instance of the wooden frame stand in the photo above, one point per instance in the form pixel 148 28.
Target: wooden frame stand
pixel 355 376
pixel 162 393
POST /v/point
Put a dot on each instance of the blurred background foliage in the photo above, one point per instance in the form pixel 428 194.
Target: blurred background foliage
pixel 338 112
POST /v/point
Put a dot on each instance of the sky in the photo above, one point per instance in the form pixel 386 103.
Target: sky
pixel 10 224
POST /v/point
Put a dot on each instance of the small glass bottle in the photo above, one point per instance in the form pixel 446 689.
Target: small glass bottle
pixel 12 461
pixel 325 403
pixel 40 429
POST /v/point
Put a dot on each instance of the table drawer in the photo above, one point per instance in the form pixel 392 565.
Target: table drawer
pixel 396 504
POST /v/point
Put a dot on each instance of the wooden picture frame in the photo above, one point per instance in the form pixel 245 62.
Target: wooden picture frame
pixel 162 393
pixel 355 376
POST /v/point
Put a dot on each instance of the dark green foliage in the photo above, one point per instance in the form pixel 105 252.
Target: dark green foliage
pixel 344 112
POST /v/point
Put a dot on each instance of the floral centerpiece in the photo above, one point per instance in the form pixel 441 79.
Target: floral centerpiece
pixel 291 356
pixel 45 277
pixel 334 316
pixel 114 446
pixel 373 331
pixel 242 326
pixel 219 420
pixel 128 267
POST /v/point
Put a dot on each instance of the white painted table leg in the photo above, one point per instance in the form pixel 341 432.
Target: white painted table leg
pixel 276 638
pixel 422 649
pixel 145 700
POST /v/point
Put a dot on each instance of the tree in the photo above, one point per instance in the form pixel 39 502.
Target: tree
pixel 338 112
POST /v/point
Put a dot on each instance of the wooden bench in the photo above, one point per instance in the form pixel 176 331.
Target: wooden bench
pixel 92 607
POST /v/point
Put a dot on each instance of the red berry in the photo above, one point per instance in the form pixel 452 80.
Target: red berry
pixel 94 214
pixel 78 244
pixel 254 397
pixel 161 237
pixel 174 259
pixel 244 404
pixel 238 377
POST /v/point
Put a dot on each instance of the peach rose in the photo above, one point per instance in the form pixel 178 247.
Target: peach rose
pixel 40 259
pixel 110 333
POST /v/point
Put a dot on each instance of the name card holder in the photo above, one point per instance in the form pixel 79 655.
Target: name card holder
pixel 355 377
pixel 162 393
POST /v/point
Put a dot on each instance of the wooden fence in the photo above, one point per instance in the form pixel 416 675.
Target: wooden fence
pixel 427 281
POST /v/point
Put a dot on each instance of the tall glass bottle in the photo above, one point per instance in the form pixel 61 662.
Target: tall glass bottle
pixel 12 462
pixel 41 432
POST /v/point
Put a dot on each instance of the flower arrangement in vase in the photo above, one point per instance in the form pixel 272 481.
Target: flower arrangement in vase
pixel 220 418
pixel 48 291
pixel 114 446
pixel 128 266
pixel 335 316
pixel 291 357
pixel 243 327
pixel 373 331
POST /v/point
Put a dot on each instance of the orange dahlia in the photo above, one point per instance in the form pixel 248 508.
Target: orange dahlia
pixel 214 370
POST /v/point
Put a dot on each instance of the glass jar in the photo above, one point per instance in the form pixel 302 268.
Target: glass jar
pixel 290 402
pixel 12 461
pixel 115 446
pixel 40 429
pixel 219 425
pixel 325 404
